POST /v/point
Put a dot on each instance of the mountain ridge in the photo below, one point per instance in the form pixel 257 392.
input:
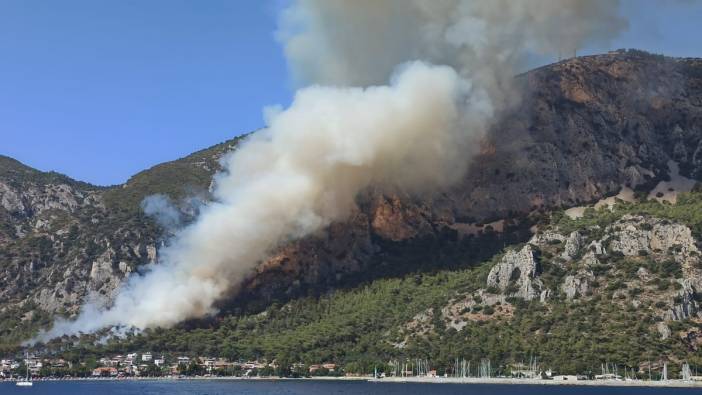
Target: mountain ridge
pixel 584 128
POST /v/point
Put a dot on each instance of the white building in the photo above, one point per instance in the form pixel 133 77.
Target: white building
pixel 608 376
pixel 183 360
pixel 146 357
pixel 131 359
pixel 34 364
pixel 6 364
pixel 160 361
pixel 564 377
pixel 249 365
pixel 132 369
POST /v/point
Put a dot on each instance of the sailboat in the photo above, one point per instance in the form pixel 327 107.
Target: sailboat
pixel 26 382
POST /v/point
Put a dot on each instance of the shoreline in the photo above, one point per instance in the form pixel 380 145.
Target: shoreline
pixel 400 380
pixel 194 378
pixel 510 381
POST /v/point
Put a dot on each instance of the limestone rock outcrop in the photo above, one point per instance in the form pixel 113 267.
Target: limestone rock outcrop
pixel 517 274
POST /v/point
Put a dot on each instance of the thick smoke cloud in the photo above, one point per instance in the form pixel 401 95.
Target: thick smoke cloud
pixel 296 177
pixel 448 64
pixel 338 42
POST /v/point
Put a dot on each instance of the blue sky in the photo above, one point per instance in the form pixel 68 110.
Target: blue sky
pixel 100 90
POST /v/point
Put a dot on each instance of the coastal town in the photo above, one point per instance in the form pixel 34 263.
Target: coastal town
pixel 146 364
pixel 149 365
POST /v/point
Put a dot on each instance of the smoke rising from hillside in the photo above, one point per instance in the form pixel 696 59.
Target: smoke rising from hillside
pixel 296 177
pixel 163 211
pixel 448 64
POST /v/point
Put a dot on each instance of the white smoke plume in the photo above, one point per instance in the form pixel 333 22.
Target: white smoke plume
pixel 169 215
pixel 294 178
pixel 360 42
pixel 163 211
pixel 306 168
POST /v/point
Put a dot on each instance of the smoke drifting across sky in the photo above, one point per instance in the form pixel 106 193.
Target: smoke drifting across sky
pixel 396 93
pixel 361 42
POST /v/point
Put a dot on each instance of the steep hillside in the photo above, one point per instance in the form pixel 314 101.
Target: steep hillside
pixel 583 129
pixel 618 285
pixel 62 240
pixel 179 179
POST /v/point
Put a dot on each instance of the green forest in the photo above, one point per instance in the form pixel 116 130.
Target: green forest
pixel 368 326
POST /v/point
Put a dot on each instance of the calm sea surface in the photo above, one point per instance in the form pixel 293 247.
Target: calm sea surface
pixel 314 388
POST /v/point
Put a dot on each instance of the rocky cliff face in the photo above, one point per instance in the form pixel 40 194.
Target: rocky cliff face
pixel 517 274
pixel 59 242
pixel 584 128
pixel 638 262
